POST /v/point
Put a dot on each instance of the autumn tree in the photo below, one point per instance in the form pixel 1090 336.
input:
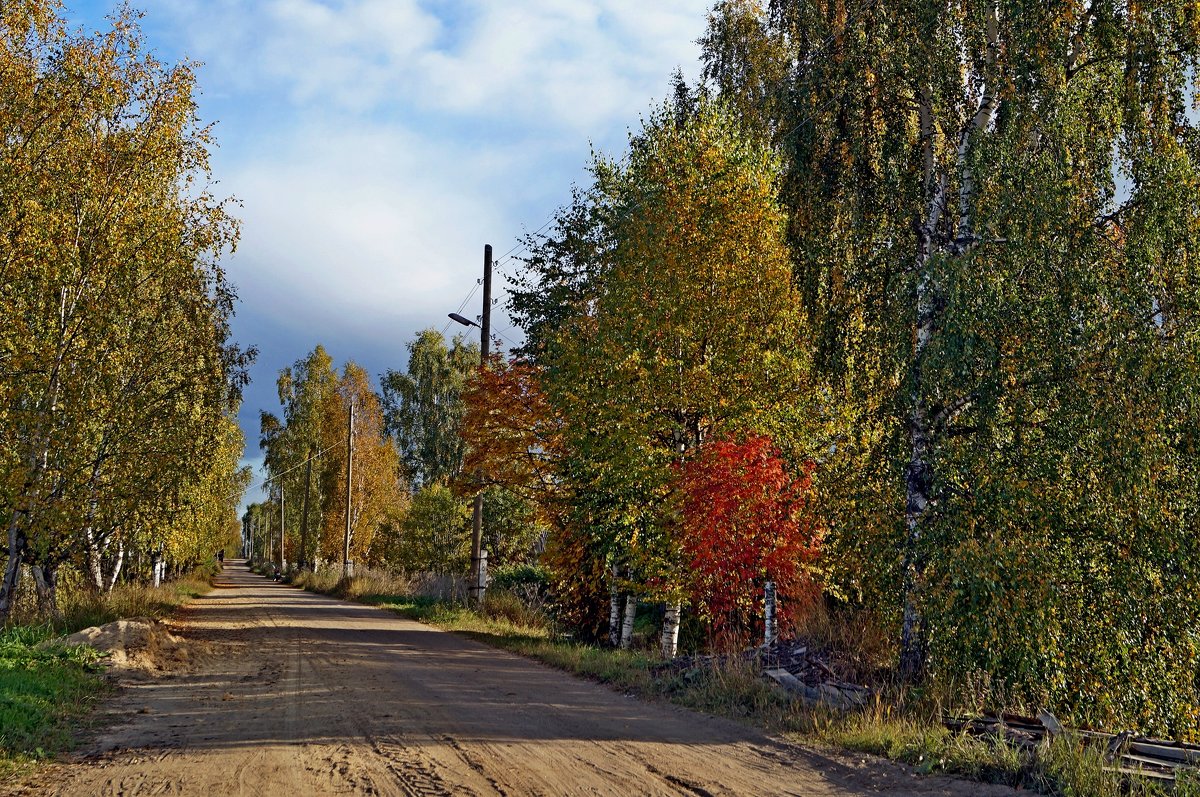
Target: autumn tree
pixel 117 377
pixel 746 520
pixel 688 326
pixel 378 496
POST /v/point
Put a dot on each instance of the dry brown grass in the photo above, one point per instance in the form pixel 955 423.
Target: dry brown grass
pixel 81 606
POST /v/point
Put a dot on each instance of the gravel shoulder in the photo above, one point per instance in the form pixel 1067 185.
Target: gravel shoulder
pixel 289 692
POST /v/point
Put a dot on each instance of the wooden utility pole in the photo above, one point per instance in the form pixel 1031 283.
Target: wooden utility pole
pixel 349 490
pixel 303 558
pixel 282 531
pixel 485 329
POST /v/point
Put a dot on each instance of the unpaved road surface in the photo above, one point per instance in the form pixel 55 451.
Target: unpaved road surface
pixel 302 694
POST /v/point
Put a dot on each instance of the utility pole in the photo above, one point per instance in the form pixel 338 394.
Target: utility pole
pixel 303 558
pixel 485 330
pixel 349 484
pixel 282 531
pixel 270 536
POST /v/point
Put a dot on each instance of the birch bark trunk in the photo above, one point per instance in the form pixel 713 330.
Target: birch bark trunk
pixel 118 563
pixel 614 611
pixel 627 625
pixel 670 631
pixel 918 476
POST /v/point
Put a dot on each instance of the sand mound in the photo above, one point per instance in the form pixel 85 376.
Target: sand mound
pixel 138 643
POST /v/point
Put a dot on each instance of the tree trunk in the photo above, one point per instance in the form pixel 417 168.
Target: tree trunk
pixel 95 568
pixel 614 611
pixel 118 561
pixel 156 563
pixel 627 627
pixel 918 477
pixel 670 631
pixel 45 581
pixel 12 572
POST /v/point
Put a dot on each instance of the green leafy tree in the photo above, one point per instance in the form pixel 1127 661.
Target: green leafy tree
pixel 116 372
pixel 435 536
pixel 294 447
pixel 992 217
pixel 423 406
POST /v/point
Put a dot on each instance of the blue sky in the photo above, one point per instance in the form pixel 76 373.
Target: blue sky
pixel 377 145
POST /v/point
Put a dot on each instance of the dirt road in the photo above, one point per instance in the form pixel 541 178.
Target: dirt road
pixel 302 694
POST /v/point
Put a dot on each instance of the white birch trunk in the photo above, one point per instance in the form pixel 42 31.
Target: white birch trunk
pixel 95 569
pixel 627 626
pixel 118 562
pixel 670 631
pixel 614 611
pixel 918 476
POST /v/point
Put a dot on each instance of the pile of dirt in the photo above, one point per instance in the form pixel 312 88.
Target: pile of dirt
pixel 137 644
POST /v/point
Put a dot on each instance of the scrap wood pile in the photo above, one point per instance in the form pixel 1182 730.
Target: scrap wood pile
pixel 1129 754
pixel 811 675
pixel 809 672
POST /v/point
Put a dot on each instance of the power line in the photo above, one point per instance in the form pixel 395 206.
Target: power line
pixel 521 246
pixel 312 457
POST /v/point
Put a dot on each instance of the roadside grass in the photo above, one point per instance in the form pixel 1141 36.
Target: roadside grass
pixel 48 691
pixel 45 694
pixel 85 609
pixel 895 726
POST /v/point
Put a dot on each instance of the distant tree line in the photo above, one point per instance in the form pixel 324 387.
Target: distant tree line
pixel 410 496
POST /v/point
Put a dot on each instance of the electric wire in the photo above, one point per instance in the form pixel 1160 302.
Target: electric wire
pixel 264 482
pixel 522 248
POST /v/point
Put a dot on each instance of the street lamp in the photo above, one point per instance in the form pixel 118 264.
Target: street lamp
pixel 478 556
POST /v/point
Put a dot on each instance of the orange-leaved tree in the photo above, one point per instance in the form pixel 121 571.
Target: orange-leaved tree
pixel 513 433
pixel 378 496
pixel 746 521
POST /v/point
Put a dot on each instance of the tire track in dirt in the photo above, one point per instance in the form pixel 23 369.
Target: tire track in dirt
pixel 304 694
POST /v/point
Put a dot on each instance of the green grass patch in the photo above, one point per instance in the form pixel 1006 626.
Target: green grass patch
pixel 48 691
pixel 45 694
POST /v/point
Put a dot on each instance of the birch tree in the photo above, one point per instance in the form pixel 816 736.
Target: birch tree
pixel 378 496
pixel 424 408
pixel 116 371
pixel 992 218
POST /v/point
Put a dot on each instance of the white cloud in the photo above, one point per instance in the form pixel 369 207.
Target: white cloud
pixel 376 145
pixel 571 65
pixel 345 226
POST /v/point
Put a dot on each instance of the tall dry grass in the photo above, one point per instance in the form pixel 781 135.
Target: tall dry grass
pixel 82 606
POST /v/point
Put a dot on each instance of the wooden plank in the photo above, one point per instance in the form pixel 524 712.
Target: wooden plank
pixel 1174 753
pixel 786 680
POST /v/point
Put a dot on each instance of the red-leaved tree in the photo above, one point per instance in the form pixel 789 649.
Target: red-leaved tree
pixel 746 521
